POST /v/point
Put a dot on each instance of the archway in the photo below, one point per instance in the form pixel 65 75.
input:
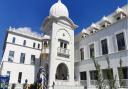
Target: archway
pixel 62 72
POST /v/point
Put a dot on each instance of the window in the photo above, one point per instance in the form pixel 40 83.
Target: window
pixel 19 77
pixel 22 58
pixel 94 75
pixel 92 53
pixel 120 41
pixel 34 45
pixel 83 76
pixel 11 56
pixel 24 43
pixel 45 44
pixel 63 44
pixel 123 72
pixel 82 53
pixel 8 73
pixel 38 46
pixel 107 73
pixel 32 59
pixel 13 40
pixel 104 46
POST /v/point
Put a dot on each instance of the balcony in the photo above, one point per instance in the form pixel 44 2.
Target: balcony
pixel 83 82
pixel 45 50
pixel 93 82
pixel 124 83
pixel 63 52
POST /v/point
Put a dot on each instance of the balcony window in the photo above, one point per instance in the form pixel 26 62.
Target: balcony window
pixel 32 59
pixel 13 40
pixel 92 51
pixel 120 41
pixel 83 76
pixel 82 53
pixel 104 46
pixel 22 58
pixel 24 43
pixel 11 56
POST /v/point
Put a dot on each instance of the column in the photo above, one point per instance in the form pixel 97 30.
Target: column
pixel 115 73
pixel 110 45
pixel 86 55
pixel 88 79
pixel 97 48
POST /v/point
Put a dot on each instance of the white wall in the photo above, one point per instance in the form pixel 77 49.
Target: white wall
pixel 28 71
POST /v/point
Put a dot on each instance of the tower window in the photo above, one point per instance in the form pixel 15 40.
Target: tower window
pixel 104 46
pixel 92 51
pixel 24 43
pixel 22 58
pixel 120 41
pixel 13 40
pixel 11 56
pixel 82 53
pixel 63 44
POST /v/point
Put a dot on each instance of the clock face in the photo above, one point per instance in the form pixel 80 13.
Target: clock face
pixel 63 34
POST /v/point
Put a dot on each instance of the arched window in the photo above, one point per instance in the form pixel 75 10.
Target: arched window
pixel 45 44
pixel 62 72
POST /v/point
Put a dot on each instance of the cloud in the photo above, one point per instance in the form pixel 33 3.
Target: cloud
pixel 26 31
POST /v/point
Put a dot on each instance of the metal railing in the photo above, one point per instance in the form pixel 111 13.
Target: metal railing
pixel 93 82
pixel 63 52
pixel 124 83
pixel 83 82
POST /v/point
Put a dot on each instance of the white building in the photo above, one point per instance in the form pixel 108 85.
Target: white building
pixel 25 51
pixel 107 38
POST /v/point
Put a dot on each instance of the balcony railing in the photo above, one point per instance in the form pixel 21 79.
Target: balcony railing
pixel 93 82
pixel 63 52
pixel 83 82
pixel 124 83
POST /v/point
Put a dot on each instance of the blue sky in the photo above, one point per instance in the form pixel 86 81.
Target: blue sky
pixel 31 13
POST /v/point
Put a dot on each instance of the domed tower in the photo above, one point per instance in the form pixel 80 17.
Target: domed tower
pixel 60 28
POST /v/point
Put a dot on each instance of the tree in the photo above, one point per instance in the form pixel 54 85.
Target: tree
pixel 100 81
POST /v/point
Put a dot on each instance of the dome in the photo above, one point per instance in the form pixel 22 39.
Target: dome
pixel 59 9
pixel 119 10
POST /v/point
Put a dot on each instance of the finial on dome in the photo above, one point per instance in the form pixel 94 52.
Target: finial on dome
pixel 59 0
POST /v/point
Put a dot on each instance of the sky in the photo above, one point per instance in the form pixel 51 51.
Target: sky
pixel 31 13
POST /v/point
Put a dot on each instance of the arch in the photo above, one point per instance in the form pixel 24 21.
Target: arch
pixel 62 72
